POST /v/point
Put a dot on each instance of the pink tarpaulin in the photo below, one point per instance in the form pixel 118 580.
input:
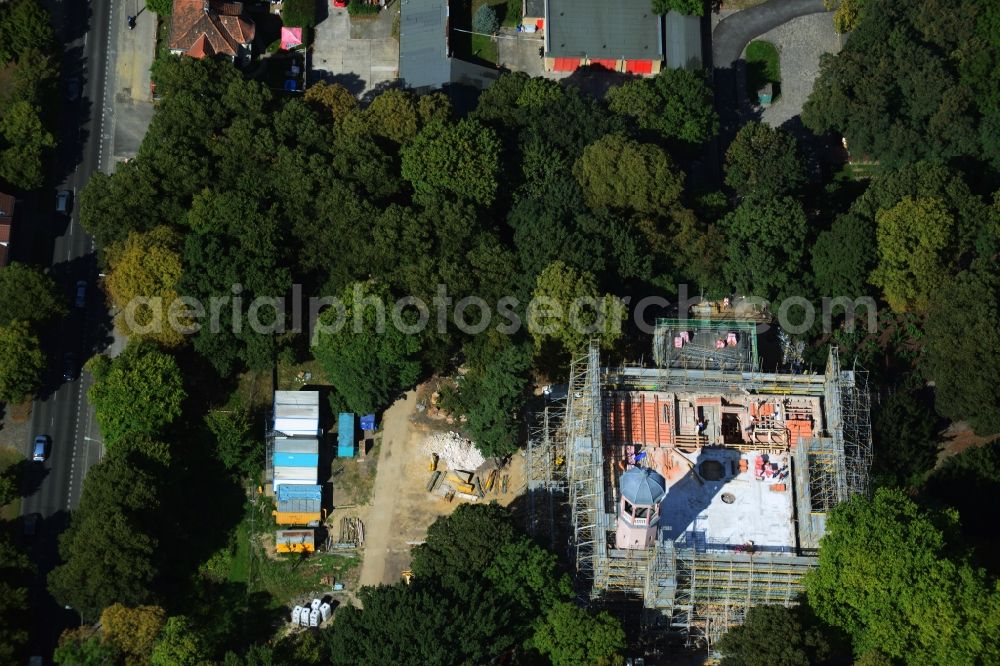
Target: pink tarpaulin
pixel 290 37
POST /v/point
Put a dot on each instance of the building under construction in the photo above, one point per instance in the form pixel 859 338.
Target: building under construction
pixel 700 487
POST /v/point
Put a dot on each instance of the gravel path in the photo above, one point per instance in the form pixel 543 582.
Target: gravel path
pixel 800 42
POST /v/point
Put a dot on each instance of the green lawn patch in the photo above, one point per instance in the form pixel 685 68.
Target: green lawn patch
pixel 484 48
pixel 763 67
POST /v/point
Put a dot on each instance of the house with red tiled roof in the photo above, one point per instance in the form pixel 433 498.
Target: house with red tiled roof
pixel 6 226
pixel 200 28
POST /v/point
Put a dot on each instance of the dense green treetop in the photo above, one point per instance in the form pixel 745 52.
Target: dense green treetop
pixel 568 635
pixel 27 294
pixel 766 240
pixel 764 161
pixel 21 362
pixel 887 575
pixel 367 357
pixel 140 375
pixel 652 183
pixel 788 640
pixel 959 355
pixel 117 501
pixel 676 103
pixel 460 158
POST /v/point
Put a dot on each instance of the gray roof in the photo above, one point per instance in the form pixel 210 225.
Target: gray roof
pixel 600 29
pixel 683 41
pixel 643 486
pixel 423 43
pixel 534 8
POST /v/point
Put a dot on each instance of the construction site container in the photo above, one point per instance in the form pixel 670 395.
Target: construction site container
pixel 296 445
pixel 297 518
pixel 297 614
pixel 295 541
pixel 316 603
pixel 368 422
pixel 325 611
pixel 297 413
pixel 296 460
pixel 314 618
pixel 345 435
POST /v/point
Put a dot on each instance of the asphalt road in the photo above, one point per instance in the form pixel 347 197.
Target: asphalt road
pixel 61 411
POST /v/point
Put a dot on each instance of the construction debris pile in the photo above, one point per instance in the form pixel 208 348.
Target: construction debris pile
pixel 455 451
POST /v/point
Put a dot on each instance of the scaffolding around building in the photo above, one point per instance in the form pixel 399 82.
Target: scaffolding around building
pixel 693 590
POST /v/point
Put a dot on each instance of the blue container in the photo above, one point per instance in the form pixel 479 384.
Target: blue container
pixel 296 460
pixel 345 435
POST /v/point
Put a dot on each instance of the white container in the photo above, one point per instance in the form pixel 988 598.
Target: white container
pixel 316 603
pixel 325 611
pixel 296 614
pixel 314 618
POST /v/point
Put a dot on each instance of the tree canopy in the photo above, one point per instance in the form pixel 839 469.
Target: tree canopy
pixel 142 375
pixel 29 295
pixel 21 362
pixel 887 575
pixel 763 161
pixel 958 355
pixel 367 356
pixel 788 639
pixel 766 241
pixel 118 500
pixel 617 172
pixel 676 103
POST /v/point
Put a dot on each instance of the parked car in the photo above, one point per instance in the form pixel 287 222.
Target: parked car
pixel 41 449
pixel 70 367
pixel 81 294
pixel 62 201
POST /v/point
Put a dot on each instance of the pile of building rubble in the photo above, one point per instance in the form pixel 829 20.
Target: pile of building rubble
pixel 454 450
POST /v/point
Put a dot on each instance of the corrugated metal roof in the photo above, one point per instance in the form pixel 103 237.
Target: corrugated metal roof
pixel 283 474
pixel 423 43
pixel 683 35
pixel 296 460
pixel 300 492
pixel 296 445
pixel 600 29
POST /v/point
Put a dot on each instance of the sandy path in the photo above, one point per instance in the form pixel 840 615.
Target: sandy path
pixel 379 530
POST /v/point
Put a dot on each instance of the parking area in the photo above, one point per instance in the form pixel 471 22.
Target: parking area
pixel 362 55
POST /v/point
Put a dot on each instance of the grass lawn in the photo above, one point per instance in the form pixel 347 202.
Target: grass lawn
pixel 762 67
pixel 10 456
pixel 484 48
pixel 283 577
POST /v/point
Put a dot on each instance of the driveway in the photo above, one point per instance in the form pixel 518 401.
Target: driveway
pixel 732 34
pixel 361 56
pixel 729 39
pixel 800 43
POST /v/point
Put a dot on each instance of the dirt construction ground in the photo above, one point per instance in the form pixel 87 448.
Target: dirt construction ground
pixel 401 509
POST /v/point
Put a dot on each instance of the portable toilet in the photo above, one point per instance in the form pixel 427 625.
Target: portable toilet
pixel 314 618
pixel 296 614
pixel 345 435
pixel 325 611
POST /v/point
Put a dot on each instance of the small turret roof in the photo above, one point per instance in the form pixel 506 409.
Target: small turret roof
pixel 640 485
